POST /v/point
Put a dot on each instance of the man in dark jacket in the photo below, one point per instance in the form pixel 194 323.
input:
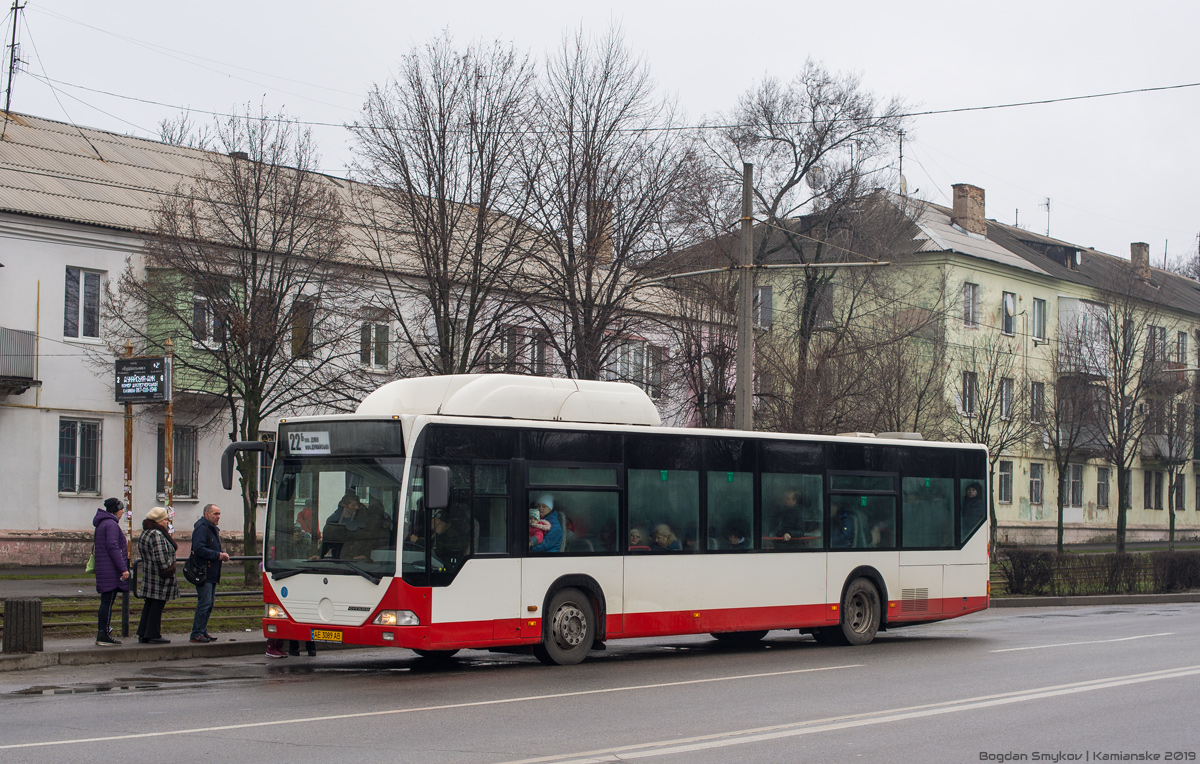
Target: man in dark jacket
pixel 112 565
pixel 206 545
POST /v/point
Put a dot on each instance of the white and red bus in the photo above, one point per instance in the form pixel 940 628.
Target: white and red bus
pixel 408 524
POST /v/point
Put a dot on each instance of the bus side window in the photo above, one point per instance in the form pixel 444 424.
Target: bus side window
pixel 791 516
pixel 928 513
pixel 666 503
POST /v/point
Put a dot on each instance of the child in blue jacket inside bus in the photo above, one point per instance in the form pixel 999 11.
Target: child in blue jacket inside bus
pixel 552 537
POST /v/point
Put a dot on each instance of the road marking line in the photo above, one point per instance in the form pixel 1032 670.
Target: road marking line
pixel 761 734
pixel 1093 642
pixel 448 706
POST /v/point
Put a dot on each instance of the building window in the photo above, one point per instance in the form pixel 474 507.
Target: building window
pixel 1037 401
pixel 970 304
pixel 1036 474
pixel 1006 398
pixel 1074 485
pixel 81 304
pixel 824 312
pixel 374 336
pixel 1152 490
pixel 183 470
pixel 1156 343
pixel 1181 348
pixel 1008 312
pixel 764 310
pixel 541 349
pixel 641 363
pixel 1180 493
pixel 304 314
pixel 1004 486
pixel 207 325
pixel 1039 319
pixel 78 456
pixel 1102 487
pixel 968 393
pixel 265 461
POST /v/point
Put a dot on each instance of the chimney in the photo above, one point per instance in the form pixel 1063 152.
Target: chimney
pixel 239 155
pixel 969 208
pixel 599 231
pixel 1139 253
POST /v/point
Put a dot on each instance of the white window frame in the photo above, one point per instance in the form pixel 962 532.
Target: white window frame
pixel 1004 482
pixel 369 339
pixel 1103 477
pixel 79 454
pixel 80 310
pixel 970 304
pixel 1037 479
pixel 969 392
pixel 187 488
pixel 1008 313
pixel 1006 398
pixel 764 308
pixel 1039 319
pixel 1074 481
pixel 1037 402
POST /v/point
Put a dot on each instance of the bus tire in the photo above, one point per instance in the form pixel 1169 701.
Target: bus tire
pixel 569 631
pixel 740 637
pixel 861 613
pixel 435 655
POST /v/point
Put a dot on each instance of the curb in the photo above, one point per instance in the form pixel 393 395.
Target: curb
pixel 132 654
pixel 1096 599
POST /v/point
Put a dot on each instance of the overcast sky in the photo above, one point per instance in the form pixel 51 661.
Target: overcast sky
pixel 1116 169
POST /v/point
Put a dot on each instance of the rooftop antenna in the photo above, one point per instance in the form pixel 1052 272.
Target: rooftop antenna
pixel 903 184
pixel 1047 206
pixel 14 57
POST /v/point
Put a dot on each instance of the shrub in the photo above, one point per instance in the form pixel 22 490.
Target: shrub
pixel 1175 571
pixel 1026 571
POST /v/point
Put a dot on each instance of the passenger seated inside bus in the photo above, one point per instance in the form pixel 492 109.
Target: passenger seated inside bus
pixel 735 536
pixel 637 540
pixel 552 540
pixel 664 539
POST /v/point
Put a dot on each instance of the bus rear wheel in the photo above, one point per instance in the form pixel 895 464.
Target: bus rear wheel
pixel 861 613
pixel 570 631
pixel 740 637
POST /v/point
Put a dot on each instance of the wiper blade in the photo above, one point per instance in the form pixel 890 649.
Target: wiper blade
pixel 279 575
pixel 360 570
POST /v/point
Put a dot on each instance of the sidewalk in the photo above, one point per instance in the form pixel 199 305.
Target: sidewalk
pixel 82 651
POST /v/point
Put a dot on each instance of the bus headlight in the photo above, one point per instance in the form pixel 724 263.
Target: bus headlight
pixel 275 611
pixel 396 618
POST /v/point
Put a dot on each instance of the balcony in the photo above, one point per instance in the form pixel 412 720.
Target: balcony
pixel 1166 376
pixel 18 352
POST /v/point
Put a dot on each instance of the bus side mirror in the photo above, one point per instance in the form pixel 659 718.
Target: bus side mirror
pixel 231 451
pixel 437 487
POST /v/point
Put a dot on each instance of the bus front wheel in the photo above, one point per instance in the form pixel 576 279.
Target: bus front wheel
pixel 570 630
pixel 861 613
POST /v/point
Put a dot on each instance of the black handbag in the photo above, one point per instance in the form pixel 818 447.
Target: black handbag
pixel 194 570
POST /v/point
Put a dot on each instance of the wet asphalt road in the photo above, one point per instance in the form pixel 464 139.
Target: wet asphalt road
pixel 1043 683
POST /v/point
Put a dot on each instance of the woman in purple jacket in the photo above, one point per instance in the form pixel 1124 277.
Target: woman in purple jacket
pixel 112 565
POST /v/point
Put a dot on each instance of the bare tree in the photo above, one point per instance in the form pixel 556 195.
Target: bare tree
pixel 819 144
pixel 182 131
pixel 246 267
pixel 991 401
pixel 1167 440
pixel 1129 363
pixel 446 214
pixel 1071 426
pixel 602 165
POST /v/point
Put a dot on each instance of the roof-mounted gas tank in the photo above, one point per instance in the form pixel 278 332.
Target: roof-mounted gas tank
pixel 512 396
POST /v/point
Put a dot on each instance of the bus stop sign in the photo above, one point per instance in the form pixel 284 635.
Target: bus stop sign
pixel 143 380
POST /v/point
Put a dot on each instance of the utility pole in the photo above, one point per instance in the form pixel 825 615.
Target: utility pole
pixel 1047 206
pixel 13 57
pixel 743 396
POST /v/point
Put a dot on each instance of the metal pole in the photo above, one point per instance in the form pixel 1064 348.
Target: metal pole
pixel 128 499
pixel 169 443
pixel 744 399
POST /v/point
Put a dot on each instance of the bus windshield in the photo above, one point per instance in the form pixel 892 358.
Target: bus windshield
pixel 334 516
